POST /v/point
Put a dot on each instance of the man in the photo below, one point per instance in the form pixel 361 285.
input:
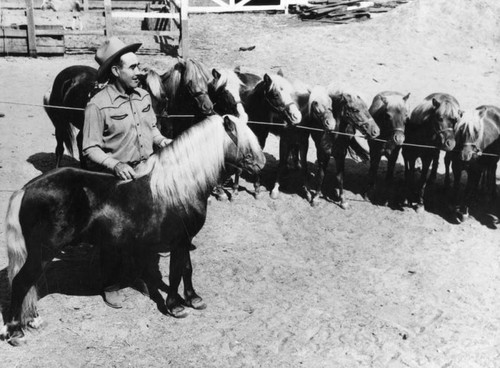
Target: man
pixel 119 132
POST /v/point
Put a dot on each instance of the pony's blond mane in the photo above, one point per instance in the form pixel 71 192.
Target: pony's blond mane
pixel 229 80
pixel 471 126
pixel 446 108
pixel 320 95
pixel 192 163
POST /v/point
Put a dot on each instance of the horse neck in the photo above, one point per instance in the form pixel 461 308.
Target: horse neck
pixel 190 166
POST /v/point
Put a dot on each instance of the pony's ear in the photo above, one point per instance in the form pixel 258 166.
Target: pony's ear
pixel 405 98
pixel 384 100
pixel 267 80
pixel 280 72
pixel 461 113
pixel 229 126
pixel 215 74
pixel 314 105
pixel 237 69
pixel 436 103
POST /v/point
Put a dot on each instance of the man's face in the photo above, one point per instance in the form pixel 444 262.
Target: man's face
pixel 127 74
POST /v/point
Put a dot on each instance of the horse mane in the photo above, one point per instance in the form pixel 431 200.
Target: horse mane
pixel 230 80
pixel 172 79
pixel 155 85
pixel 471 125
pixel 197 72
pixel 320 95
pixel 425 109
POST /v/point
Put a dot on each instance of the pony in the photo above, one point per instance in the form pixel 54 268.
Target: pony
pixel 351 114
pixel 185 86
pixel 477 152
pixel 71 90
pixel 317 116
pixel 391 112
pixel 431 124
pixel 272 107
pixel 161 210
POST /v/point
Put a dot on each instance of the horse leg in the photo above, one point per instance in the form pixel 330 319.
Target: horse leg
pixel 409 177
pixel 236 184
pixel 284 151
pixel 424 179
pixel 178 260
pixel 323 160
pixel 391 164
pixel 340 167
pixel 303 148
pixel 447 162
pixel 59 146
pixel 375 156
pixel 192 299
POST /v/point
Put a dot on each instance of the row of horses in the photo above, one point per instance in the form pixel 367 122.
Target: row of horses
pixel 165 207
pixel 189 91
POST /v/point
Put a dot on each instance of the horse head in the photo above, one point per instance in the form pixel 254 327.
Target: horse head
pixel 280 96
pixel 468 134
pixel 243 151
pixel 320 109
pixel 352 110
pixel 391 112
pixel 444 115
pixel 224 91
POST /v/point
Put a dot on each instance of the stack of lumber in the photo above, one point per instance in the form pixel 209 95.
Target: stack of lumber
pixel 341 11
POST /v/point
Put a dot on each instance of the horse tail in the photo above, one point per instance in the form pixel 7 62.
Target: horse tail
pixel 357 151
pixel 17 253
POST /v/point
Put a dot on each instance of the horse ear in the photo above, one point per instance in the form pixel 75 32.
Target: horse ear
pixel 314 105
pixel 229 125
pixel 215 74
pixel 237 69
pixel 405 98
pixel 384 99
pixel 461 113
pixel 436 103
pixel 267 79
pixel 280 73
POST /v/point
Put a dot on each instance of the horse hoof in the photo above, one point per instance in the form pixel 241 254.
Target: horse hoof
pixel 344 205
pixel 177 312
pixel 275 194
pixel 4 332
pixel 222 197
pixel 462 217
pixel 37 323
pixel 420 208
pixel 197 303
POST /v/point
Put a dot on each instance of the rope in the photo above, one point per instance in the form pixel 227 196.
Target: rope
pixel 259 123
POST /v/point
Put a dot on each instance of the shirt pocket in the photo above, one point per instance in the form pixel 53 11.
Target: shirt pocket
pixel 118 117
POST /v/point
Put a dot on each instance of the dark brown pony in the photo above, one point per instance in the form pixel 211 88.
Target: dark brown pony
pixel 477 152
pixel 159 211
pixel 185 85
pixel 431 124
pixel 391 113
pixel 272 107
pixel 351 115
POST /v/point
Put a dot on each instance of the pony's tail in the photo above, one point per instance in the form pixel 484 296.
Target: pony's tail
pixel 357 151
pixel 63 128
pixel 17 253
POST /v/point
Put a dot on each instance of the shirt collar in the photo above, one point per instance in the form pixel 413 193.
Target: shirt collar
pixel 114 94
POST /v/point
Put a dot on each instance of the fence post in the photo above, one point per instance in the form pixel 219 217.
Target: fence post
pixel 184 34
pixel 30 17
pixel 108 21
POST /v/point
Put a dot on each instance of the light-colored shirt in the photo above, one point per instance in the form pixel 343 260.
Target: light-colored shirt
pixel 119 128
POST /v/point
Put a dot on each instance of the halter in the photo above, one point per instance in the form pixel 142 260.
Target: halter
pixel 280 109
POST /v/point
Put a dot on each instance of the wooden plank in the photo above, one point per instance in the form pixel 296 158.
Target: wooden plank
pixel 108 18
pixel 30 18
pixel 85 32
pixel 234 9
pixel 184 37
pixel 140 15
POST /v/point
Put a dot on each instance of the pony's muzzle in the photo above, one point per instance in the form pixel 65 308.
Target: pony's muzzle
pixel 398 138
pixel 372 129
pixel 294 115
pixel 449 144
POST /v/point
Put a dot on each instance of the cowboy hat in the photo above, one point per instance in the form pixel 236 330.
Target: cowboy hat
pixel 108 52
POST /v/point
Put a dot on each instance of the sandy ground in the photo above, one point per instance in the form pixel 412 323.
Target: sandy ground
pixel 288 285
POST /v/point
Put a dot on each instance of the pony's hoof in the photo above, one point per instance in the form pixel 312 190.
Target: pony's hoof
pixel 275 194
pixel 197 303
pixel 344 205
pixel 4 333
pixel 462 217
pixel 221 197
pixel 37 323
pixel 420 208
pixel 177 312
pixel 17 339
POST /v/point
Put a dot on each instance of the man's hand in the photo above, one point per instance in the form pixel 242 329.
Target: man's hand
pixel 124 171
pixel 164 143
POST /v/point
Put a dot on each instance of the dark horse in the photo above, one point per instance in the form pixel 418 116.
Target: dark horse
pixel 272 107
pixel 391 113
pixel 65 102
pixel 431 124
pixel 351 115
pixel 185 85
pixel 477 151
pixel 159 211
